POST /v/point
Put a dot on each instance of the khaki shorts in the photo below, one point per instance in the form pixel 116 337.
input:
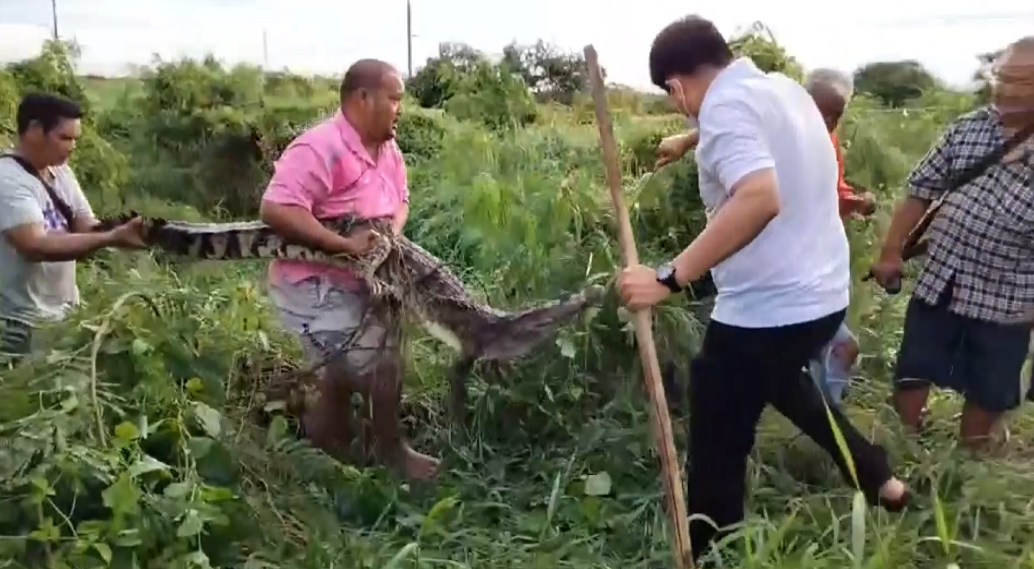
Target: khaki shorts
pixel 336 325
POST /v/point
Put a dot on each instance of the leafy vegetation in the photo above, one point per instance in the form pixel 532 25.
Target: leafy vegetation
pixel 143 440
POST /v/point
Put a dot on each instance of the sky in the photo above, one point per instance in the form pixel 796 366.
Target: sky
pixel 325 36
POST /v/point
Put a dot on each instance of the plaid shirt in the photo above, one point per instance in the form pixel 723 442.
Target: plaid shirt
pixel 982 239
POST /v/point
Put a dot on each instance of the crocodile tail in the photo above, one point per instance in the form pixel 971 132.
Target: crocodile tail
pixel 514 335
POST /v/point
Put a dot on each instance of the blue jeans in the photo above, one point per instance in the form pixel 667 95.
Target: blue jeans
pixel 828 372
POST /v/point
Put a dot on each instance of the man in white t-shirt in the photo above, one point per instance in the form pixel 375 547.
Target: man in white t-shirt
pixel 778 254
pixel 46 222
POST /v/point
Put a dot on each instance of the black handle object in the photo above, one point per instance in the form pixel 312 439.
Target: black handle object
pixel 702 288
pixel 893 287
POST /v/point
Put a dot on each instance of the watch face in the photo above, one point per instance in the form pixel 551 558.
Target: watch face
pixel 666 276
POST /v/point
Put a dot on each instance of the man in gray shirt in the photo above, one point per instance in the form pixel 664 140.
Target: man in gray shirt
pixel 46 222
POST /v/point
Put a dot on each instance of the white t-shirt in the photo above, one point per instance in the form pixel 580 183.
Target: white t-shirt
pixel 32 291
pixel 798 268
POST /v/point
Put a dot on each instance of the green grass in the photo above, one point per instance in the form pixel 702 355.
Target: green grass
pixel 135 439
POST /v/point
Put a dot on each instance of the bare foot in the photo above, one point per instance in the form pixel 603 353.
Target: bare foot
pixel 894 495
pixel 418 466
pixel 892 490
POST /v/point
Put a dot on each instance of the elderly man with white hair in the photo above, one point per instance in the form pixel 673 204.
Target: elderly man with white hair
pixel 832 91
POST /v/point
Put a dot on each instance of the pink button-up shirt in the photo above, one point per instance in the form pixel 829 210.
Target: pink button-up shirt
pixel 328 171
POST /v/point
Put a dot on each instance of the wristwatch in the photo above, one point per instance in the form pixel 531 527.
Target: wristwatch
pixel 666 276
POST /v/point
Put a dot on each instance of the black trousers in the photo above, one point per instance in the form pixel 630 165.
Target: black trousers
pixel 737 372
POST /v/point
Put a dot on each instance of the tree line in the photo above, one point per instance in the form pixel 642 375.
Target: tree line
pixel 543 73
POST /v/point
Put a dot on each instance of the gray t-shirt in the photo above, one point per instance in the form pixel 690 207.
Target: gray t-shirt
pixel 33 291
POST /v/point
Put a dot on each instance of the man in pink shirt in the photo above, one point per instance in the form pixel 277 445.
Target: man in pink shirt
pixel 348 164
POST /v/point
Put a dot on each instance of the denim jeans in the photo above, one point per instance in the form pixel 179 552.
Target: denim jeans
pixel 828 372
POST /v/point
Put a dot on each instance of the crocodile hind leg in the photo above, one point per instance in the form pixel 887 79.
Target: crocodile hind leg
pixel 488 334
pixel 458 390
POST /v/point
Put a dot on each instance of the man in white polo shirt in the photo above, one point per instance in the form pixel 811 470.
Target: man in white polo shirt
pixel 777 250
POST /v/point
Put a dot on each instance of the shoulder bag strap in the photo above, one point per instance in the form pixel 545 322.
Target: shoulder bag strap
pixel 60 204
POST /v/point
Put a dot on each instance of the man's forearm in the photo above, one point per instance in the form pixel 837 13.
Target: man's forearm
pixel 58 247
pixel 300 226
pixel 742 219
pixel 84 224
pixel 906 217
pixel 398 222
pixel 690 139
pixel 851 203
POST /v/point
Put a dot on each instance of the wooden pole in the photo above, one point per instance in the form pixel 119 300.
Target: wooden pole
pixel 661 420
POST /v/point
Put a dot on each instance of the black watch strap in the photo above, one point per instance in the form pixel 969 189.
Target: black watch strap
pixel 666 276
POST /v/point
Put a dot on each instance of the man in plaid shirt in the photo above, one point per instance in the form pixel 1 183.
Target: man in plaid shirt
pixel 968 323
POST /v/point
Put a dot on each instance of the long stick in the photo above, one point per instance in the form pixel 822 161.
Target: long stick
pixel 670 472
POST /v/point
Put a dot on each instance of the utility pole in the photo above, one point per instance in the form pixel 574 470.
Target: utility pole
pixel 265 49
pixel 409 36
pixel 53 12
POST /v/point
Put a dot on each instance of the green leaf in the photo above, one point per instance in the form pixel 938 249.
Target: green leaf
pixel 123 496
pixel 196 559
pixel 210 419
pixel 567 348
pixel 200 446
pixel 42 488
pixel 434 519
pixel 191 525
pixel 216 494
pixel 277 431
pixel 598 484
pixel 177 489
pixel 91 528
pixel 195 385
pixel 275 405
pixel 104 551
pixel 146 464
pixel 126 431
pixel 128 538
pixel 69 403
pixel 46 532
pixel 403 554
pixel 140 347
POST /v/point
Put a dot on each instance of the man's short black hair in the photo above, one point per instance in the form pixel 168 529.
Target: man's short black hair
pixel 365 74
pixel 47 110
pixel 684 46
